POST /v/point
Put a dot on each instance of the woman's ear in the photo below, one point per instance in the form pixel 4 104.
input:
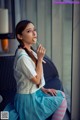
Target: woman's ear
pixel 19 36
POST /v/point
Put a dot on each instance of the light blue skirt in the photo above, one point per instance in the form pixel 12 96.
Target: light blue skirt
pixel 36 106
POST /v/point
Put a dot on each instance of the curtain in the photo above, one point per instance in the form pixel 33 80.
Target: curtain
pixel 39 12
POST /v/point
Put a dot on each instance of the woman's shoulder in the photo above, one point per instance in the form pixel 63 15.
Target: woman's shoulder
pixel 23 57
pixel 21 53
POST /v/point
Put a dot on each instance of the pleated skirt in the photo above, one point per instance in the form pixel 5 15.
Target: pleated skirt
pixel 35 106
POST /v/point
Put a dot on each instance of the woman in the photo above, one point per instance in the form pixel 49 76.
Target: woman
pixel 32 100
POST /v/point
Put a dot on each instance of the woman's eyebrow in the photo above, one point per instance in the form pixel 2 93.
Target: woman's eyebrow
pixel 30 28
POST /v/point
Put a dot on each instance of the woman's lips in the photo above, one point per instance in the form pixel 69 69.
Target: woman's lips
pixel 35 37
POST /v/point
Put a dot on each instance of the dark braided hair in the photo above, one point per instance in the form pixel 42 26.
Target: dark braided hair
pixel 19 29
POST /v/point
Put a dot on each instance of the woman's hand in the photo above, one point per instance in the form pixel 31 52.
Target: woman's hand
pixel 41 52
pixel 49 91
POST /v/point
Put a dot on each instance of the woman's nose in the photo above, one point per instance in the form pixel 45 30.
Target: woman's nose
pixel 34 33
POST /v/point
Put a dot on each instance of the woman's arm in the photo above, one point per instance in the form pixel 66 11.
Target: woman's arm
pixel 37 78
pixel 39 69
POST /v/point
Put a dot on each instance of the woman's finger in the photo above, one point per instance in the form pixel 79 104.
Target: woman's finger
pixel 52 91
pixel 38 49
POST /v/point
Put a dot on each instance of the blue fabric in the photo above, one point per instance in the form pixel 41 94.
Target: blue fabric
pixel 36 106
pixel 13 115
pixel 54 83
pixel 49 69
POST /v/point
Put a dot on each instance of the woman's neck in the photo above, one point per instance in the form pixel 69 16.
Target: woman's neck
pixel 28 48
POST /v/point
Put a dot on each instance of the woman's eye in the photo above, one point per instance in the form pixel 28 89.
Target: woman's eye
pixel 31 31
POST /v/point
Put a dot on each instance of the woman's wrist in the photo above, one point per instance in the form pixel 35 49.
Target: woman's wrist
pixel 42 88
pixel 40 59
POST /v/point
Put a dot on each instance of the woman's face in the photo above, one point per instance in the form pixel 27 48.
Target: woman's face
pixel 29 35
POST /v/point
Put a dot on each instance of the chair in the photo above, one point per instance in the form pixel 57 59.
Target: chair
pixel 8 83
